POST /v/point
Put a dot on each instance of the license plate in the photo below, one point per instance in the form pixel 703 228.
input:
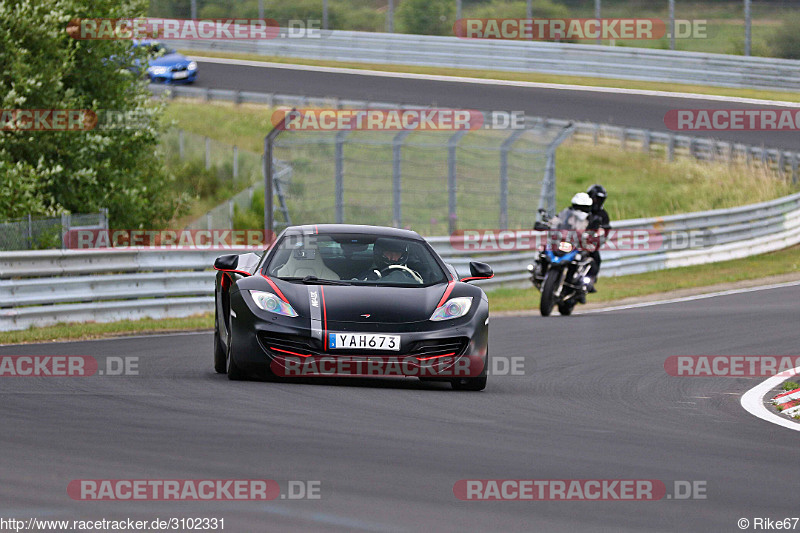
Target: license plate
pixel 363 341
pixel 180 75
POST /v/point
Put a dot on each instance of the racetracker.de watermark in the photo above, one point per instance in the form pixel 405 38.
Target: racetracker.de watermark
pixel 577 490
pixel 224 29
pixel 190 239
pixel 290 364
pixel 192 489
pixel 731 365
pixel 642 239
pixel 432 119
pixel 67 366
pixel 777 119
pixel 533 29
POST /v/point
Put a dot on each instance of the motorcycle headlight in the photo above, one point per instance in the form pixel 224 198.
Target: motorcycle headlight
pixel 452 308
pixel 565 247
pixel 269 302
pixel 193 65
pixel 158 70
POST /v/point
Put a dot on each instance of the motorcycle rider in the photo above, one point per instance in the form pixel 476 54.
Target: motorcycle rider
pixel 598 220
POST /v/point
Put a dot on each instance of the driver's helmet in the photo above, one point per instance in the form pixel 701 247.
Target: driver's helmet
pixel 388 252
pixel 582 202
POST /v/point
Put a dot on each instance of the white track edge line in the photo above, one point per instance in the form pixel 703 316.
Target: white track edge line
pixel 753 400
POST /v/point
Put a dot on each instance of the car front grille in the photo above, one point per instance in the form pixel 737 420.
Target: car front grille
pixel 282 345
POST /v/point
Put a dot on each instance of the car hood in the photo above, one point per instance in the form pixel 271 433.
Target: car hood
pixel 169 60
pixel 370 304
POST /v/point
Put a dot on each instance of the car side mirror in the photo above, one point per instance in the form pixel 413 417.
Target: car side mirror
pixel 226 262
pixel 479 270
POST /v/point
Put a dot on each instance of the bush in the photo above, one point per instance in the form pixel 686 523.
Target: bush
pixel 785 42
pixel 426 17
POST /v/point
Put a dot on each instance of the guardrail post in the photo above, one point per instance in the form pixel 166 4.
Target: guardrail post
pixel 504 149
pixel 397 191
pixel 671 148
pixel 235 161
pixel 208 153
pixel 622 138
pixel 65 224
pixel 30 231
pixel 596 133
pixel 339 177
pixel 794 167
pixel 230 212
pixel 452 199
pixel 646 142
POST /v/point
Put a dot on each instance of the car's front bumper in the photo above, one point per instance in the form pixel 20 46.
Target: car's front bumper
pixel 285 346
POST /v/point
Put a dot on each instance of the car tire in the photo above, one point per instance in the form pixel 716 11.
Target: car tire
pixel 469 384
pixel 220 356
pixel 234 372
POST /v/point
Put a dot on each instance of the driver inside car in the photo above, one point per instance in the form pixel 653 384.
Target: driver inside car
pixel 389 256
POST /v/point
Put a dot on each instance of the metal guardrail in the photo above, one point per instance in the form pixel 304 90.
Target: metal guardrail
pixel 46 287
pixel 650 141
pixel 524 56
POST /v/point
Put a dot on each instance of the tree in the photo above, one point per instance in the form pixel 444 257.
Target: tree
pixel 49 172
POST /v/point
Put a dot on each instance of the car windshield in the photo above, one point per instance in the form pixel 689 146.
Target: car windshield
pixel 156 50
pixel 355 259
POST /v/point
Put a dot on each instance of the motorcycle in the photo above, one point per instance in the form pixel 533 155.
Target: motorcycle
pixel 560 270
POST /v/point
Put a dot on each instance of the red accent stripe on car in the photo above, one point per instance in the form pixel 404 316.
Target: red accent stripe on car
pixel 293 353
pixel 477 277
pixel 448 290
pixel 275 288
pixel 435 356
pixel 324 320
pixel 242 272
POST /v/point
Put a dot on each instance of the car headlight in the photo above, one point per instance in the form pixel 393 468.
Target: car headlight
pixel 452 308
pixel 158 70
pixel 269 302
pixel 565 246
pixel 193 65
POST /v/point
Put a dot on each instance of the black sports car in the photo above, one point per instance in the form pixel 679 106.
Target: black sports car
pixel 344 300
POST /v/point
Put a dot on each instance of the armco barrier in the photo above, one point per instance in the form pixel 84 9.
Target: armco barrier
pixel 523 56
pixel 46 287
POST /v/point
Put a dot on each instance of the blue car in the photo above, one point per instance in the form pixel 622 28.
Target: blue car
pixel 165 65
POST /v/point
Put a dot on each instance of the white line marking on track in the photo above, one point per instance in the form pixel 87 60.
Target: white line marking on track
pixel 753 400
pixel 482 81
pixel 691 298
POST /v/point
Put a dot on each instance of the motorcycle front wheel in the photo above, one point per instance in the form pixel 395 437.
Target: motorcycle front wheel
pixel 548 289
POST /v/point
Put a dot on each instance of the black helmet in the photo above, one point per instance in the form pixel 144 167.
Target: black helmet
pixel 388 252
pixel 598 195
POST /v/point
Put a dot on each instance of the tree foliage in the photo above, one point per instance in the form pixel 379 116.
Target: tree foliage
pixel 48 172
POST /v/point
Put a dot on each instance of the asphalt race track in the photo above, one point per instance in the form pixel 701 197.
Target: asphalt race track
pixel 640 111
pixel 594 403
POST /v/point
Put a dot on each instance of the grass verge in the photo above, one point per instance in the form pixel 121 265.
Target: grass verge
pixel 785 96
pixel 96 330
pixel 616 288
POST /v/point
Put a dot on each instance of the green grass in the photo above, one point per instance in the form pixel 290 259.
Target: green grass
pixel 96 330
pixel 790 385
pixel 616 288
pixel 787 96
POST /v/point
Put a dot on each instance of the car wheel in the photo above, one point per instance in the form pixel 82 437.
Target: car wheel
pixel 234 372
pixel 469 384
pixel 220 357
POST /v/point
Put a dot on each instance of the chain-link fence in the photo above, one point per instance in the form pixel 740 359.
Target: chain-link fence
pixel 41 233
pixel 434 182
